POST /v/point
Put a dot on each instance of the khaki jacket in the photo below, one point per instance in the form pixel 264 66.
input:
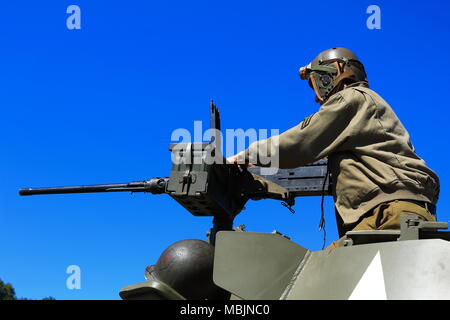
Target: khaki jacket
pixel 370 154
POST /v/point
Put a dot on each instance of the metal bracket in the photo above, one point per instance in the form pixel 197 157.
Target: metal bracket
pixel 412 226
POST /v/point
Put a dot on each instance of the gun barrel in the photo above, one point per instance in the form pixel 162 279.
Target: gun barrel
pixel 154 186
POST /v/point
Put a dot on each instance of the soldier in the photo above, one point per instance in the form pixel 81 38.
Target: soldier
pixel 377 174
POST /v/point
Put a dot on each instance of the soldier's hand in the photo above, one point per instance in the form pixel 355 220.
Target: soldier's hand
pixel 233 159
pixel 238 159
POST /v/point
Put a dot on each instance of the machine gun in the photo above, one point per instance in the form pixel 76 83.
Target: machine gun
pixel 205 185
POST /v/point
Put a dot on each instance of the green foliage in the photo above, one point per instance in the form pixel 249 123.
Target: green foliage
pixel 7 292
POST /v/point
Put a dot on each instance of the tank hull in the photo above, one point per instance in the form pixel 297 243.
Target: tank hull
pixel 249 266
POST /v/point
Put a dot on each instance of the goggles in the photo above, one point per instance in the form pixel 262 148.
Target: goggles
pixel 306 71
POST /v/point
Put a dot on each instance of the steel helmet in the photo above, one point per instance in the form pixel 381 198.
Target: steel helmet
pixel 331 70
pixel 187 267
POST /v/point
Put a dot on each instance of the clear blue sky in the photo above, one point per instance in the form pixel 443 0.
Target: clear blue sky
pixel 98 105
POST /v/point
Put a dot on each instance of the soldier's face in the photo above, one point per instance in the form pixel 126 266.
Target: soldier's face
pixel 312 87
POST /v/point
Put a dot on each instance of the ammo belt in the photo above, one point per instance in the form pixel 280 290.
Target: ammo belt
pixel 426 205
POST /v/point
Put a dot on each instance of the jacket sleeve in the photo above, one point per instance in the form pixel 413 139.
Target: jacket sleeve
pixel 326 131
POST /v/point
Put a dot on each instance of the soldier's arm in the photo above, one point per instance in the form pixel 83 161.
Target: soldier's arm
pixel 320 134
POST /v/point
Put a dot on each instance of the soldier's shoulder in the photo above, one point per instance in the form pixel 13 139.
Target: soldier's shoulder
pixel 364 96
pixel 358 91
pixel 355 94
pixel 355 90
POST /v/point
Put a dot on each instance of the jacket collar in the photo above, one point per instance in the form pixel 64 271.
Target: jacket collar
pixel 359 84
